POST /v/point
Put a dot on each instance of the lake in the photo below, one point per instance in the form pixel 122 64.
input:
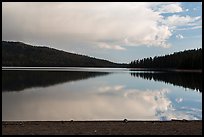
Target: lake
pixel 100 94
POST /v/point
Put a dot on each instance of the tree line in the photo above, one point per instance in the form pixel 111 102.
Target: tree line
pixel 188 59
pixel 18 54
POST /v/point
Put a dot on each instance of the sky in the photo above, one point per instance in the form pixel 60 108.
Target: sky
pixel 115 31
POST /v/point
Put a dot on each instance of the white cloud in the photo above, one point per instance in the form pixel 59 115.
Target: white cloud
pixel 85 22
pixel 177 20
pixel 170 8
pixel 106 46
pixel 179 36
pixel 190 28
pixel 112 25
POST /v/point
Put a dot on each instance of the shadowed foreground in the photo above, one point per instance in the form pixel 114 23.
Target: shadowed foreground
pixel 102 127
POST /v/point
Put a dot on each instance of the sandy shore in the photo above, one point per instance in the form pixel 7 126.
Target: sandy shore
pixel 102 127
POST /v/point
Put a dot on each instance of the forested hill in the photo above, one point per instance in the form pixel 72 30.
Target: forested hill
pixel 17 54
pixel 188 59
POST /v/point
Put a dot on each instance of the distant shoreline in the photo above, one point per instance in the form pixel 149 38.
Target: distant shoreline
pixel 88 69
pixel 166 70
pixel 62 67
pixel 175 127
pixel 95 68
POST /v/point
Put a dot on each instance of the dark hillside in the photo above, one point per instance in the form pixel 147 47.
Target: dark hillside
pixel 17 54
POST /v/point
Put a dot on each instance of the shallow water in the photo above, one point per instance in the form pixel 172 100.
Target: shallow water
pixel 100 94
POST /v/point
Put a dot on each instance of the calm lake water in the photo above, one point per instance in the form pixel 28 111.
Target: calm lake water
pixel 100 94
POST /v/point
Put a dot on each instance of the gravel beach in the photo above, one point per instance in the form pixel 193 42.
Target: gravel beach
pixel 175 127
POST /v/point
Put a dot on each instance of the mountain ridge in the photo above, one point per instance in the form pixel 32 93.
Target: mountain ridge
pixel 19 54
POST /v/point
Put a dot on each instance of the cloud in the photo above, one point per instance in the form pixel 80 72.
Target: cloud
pixel 179 36
pixel 170 8
pixel 178 20
pixel 190 28
pixel 85 22
pixel 106 46
pixel 103 25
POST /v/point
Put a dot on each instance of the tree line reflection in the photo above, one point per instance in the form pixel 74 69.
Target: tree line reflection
pixel 20 80
pixel 189 80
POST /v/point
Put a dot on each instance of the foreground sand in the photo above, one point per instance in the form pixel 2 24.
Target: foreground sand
pixel 102 127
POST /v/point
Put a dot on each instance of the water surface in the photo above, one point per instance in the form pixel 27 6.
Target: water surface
pixel 100 94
